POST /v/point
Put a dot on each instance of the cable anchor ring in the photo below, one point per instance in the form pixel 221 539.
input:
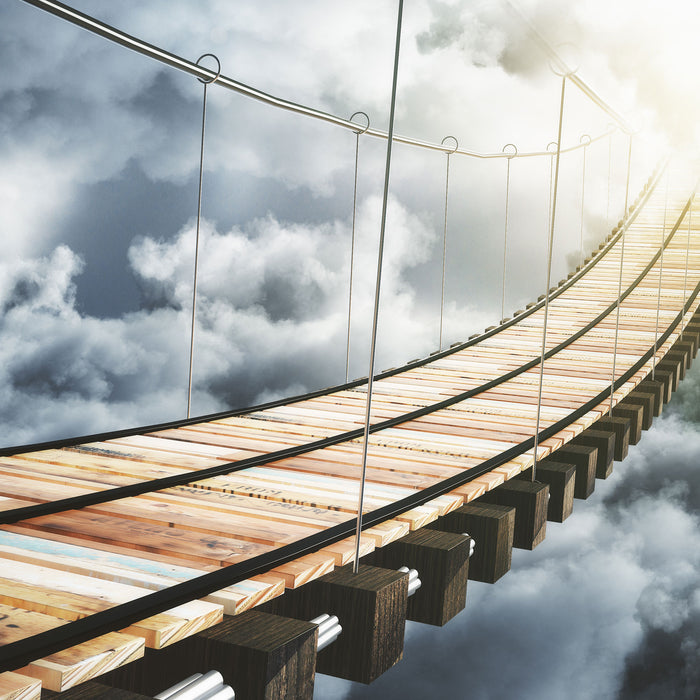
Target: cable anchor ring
pixel 569 71
pixel 218 68
pixel 510 154
pixel 454 150
pixel 363 114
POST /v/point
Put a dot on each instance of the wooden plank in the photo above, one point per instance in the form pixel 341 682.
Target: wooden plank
pixel 14 686
pixel 143 573
pixel 190 547
pixel 80 663
pixel 71 596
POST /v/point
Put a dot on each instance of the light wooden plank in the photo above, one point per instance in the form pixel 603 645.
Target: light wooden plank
pixel 14 686
pixel 80 663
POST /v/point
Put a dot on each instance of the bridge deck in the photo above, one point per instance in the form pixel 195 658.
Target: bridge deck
pixel 289 473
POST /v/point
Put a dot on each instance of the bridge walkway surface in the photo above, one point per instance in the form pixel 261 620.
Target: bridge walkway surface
pixel 115 543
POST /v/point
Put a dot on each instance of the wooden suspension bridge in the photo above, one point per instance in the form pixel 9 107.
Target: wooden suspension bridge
pixel 133 558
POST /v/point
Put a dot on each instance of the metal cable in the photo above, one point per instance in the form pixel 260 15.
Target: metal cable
pixel 174 61
pixel 583 189
pixel 550 247
pixel 619 282
pixel 352 240
pixel 661 272
pixel 564 70
pixel 199 215
pixel 687 255
pixel 444 237
pixel 377 290
pixel 505 228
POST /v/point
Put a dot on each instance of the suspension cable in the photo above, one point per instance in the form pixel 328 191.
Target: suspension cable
pixel 505 227
pixel 607 208
pixel 619 283
pixel 444 235
pixel 661 272
pixel 375 317
pixel 352 238
pixel 550 247
pixel 583 187
pixel 206 82
pixel 687 255
pixel 106 31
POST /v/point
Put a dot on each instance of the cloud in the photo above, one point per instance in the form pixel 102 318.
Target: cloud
pixel 271 321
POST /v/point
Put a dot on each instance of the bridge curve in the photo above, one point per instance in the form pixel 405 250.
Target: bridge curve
pixel 235 507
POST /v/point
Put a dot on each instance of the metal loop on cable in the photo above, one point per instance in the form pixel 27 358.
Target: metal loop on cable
pixel 454 150
pixel 569 71
pixel 510 154
pixel 218 68
pixel 587 141
pixel 556 147
pixel 360 114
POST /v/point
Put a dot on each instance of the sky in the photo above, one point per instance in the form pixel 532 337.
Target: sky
pixel 99 162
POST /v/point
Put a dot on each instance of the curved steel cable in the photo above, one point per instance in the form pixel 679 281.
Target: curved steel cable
pixel 106 31
pixel 444 236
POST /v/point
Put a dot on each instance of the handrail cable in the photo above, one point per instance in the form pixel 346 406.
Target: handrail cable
pixel 106 31
pixel 562 67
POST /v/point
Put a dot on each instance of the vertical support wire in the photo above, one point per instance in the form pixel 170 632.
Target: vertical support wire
pixel 550 247
pixel 380 256
pixel 511 155
pixel 687 255
pixel 199 216
pixel 583 187
pixel 661 272
pixel 619 282
pixel 444 235
pixel 352 239
pixel 607 208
